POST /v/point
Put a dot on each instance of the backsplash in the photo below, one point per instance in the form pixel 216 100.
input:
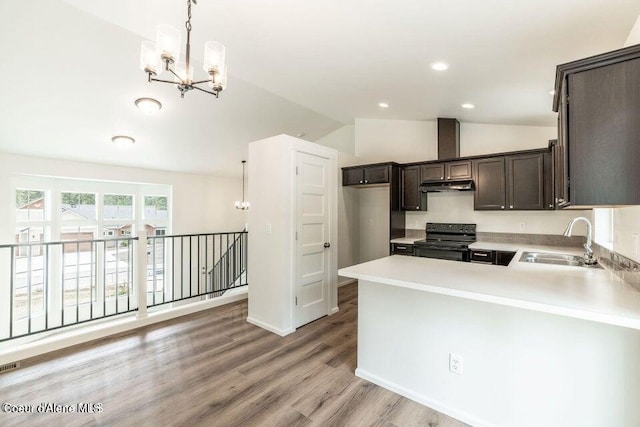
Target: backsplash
pixel 531 239
pixel 626 269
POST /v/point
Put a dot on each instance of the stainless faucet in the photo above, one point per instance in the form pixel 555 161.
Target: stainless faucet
pixel 588 252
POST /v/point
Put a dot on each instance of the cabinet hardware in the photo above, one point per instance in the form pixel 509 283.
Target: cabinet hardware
pixel 551 205
pixel 327 245
pixel 401 247
pixel 448 177
pixel 365 181
pixel 360 181
pixel 501 207
pixel 442 177
pixel 479 254
pixel 417 207
pixel 510 206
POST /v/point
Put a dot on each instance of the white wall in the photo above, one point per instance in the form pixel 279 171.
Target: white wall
pixel 348 219
pixel 521 368
pixel 634 35
pixel 400 141
pixel 200 203
pixel 342 139
pixel 478 139
pixel 373 223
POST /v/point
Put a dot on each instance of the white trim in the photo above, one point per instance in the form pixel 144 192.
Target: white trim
pixel 263 325
pixel 104 329
pixel 334 310
pixel 423 400
pixel 346 282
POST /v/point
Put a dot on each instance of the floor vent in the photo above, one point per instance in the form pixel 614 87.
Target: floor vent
pixel 9 366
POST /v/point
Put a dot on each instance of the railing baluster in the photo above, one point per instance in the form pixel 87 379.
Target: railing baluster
pixel 182 267
pixel 11 272
pixel 198 269
pixel 104 278
pixel 77 281
pixel 45 289
pixel 91 281
pixel 153 268
pixel 29 291
pixel 64 267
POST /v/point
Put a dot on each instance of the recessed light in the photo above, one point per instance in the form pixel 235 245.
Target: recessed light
pixel 383 105
pixel 148 105
pixel 552 92
pixel 439 66
pixel 123 140
pixel 468 106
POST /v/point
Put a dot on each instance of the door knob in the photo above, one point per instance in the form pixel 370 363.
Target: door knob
pixel 327 245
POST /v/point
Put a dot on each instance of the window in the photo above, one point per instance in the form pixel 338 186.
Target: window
pixel 78 206
pixel 155 207
pixel 30 205
pixel 118 206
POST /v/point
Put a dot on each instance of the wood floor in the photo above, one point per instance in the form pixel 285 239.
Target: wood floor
pixel 215 369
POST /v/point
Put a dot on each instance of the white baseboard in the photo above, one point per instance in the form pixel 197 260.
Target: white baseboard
pixel 346 282
pixel 334 310
pixel 424 400
pixel 85 333
pixel 277 331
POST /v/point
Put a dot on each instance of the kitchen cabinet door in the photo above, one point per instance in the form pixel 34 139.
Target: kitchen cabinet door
pixel 376 174
pixel 458 170
pixel 411 198
pixel 432 172
pixel 525 182
pixel 489 175
pixel 353 176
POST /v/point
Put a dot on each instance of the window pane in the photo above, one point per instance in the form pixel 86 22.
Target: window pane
pixel 78 233
pixel 155 207
pixel 118 206
pixel 78 206
pixel 29 272
pixel 30 205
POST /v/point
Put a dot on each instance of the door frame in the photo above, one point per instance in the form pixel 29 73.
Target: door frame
pixel 332 252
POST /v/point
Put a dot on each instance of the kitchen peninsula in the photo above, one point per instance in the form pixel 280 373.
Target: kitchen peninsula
pixel 532 344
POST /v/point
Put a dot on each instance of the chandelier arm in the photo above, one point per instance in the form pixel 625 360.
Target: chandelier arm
pixel 206 91
pixel 163 81
pixel 179 78
pixel 200 82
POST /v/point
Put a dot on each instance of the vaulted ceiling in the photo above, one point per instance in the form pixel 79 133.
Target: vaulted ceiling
pixel 70 70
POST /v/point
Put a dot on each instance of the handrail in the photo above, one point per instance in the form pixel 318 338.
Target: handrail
pixel 67 242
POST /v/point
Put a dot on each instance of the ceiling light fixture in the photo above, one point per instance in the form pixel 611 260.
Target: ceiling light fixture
pixel 439 66
pixel 468 106
pixel 242 204
pixel 383 105
pixel 148 105
pixel 167 49
pixel 123 140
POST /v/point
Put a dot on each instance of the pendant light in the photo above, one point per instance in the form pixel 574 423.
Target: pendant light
pixel 242 204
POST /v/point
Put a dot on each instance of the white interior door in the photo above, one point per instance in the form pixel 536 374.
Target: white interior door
pixel 312 240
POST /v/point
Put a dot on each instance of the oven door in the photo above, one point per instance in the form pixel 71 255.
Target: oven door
pixel 441 253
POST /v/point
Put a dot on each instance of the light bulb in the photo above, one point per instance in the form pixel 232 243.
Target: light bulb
pixel 182 73
pixel 149 60
pixel 168 42
pixel 219 80
pixel 214 57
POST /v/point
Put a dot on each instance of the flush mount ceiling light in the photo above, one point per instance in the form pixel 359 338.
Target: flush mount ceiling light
pixel 166 50
pixel 383 105
pixel 468 106
pixel 148 105
pixel 439 66
pixel 242 204
pixel 123 140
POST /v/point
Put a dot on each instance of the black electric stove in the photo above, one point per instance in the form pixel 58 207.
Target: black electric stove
pixel 446 241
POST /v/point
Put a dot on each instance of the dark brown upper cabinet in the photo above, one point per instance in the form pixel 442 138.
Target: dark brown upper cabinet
pixel 432 172
pixel 489 175
pixel 458 170
pixel 597 154
pixel 513 182
pixel 411 198
pixel 446 171
pixel 525 182
pixel 366 174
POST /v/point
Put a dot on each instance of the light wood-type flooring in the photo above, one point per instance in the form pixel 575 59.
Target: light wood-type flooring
pixel 214 369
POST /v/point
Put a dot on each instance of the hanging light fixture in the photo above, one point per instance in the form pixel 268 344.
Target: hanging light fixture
pixel 242 205
pixel 161 55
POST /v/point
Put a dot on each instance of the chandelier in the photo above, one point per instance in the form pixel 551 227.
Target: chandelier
pixel 164 55
pixel 242 204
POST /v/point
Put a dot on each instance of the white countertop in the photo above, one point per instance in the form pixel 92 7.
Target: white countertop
pixel 406 240
pixel 579 292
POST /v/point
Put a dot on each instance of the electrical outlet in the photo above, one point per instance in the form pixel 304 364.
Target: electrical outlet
pixel 268 228
pixel 456 364
pixel 523 226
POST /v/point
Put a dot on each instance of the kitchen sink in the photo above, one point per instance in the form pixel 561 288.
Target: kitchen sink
pixel 555 259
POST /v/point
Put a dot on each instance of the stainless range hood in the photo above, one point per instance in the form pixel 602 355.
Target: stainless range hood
pixel 441 186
